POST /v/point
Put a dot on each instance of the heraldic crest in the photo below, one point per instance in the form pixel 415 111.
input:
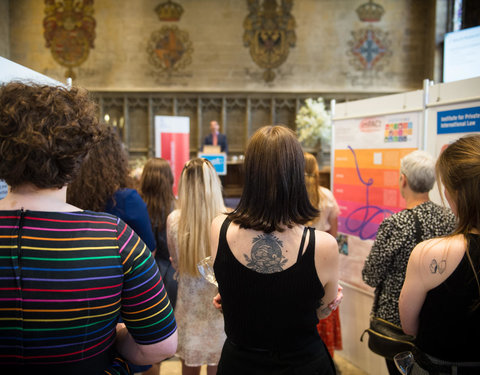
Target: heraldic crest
pixel 69 30
pixel 169 49
pixel 269 33
pixel 369 49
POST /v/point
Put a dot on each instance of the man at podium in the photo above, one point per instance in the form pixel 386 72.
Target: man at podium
pixel 215 138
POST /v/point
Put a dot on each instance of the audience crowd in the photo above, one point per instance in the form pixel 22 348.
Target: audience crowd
pixel 100 278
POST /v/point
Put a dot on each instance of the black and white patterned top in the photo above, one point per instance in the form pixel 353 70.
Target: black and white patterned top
pixel 385 266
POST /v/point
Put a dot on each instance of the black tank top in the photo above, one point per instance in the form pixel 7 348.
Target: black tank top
pixel 448 328
pixel 274 311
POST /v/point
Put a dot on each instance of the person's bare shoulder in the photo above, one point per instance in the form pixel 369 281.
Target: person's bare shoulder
pixel 214 234
pixel 325 244
pixel 218 221
pixel 437 258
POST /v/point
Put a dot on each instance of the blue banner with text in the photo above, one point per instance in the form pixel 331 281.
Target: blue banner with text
pixel 465 120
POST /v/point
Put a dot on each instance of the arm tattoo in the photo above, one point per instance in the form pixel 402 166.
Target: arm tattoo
pixel 266 254
pixel 325 310
pixel 438 267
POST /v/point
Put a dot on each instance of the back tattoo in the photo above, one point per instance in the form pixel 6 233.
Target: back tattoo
pixel 266 254
pixel 438 267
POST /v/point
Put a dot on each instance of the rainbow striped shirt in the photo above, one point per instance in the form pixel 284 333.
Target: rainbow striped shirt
pixel 65 280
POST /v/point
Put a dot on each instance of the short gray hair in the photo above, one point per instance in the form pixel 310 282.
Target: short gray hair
pixel 419 168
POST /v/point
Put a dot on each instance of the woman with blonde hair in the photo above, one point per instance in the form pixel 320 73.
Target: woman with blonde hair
pixel 440 298
pixel 323 199
pixel 201 330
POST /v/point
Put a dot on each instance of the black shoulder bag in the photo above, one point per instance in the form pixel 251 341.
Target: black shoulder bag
pixel 385 338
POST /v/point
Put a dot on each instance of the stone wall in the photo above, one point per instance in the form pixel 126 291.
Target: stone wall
pixel 321 60
pixel 4 29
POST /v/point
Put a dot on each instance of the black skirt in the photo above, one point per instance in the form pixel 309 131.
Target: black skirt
pixel 313 359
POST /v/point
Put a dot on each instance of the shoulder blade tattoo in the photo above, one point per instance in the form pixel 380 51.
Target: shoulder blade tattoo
pixel 266 254
pixel 438 267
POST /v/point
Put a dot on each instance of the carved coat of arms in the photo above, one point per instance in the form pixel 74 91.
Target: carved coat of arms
pixel 369 49
pixel 269 33
pixel 69 30
pixel 169 49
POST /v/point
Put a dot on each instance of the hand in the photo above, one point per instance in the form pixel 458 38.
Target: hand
pixel 334 304
pixel 121 331
pixel 217 302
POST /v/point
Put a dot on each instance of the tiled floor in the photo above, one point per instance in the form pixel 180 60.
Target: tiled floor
pixel 174 367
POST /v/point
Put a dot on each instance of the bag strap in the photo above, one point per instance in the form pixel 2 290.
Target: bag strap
pixel 418 228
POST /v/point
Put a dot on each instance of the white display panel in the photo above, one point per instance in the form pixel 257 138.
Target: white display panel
pixel 11 71
pixel 461 55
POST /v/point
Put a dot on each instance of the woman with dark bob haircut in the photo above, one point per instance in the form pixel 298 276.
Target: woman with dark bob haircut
pixel 276 277
pixel 68 275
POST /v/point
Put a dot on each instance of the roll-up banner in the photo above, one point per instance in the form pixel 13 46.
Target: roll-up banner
pixel 172 142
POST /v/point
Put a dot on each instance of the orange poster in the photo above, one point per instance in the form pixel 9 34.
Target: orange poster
pixel 367 155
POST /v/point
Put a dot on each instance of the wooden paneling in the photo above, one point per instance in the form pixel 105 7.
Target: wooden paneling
pixel 238 114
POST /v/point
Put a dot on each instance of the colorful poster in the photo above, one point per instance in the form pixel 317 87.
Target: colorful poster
pixel 367 155
pixel 172 142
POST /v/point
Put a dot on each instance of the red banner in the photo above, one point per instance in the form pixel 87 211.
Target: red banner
pixel 172 142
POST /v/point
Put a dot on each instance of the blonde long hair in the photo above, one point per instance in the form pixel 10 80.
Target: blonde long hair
pixel 312 182
pixel 200 200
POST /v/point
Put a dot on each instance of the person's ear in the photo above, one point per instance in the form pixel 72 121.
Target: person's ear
pixel 403 180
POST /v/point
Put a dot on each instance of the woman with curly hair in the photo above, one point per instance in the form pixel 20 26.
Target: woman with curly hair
pixel 68 275
pixel 103 185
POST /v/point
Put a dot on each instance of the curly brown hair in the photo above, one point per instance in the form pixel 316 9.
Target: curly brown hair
pixel 103 172
pixel 156 190
pixel 45 133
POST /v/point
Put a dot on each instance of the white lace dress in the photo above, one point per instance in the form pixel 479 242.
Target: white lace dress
pixel 200 326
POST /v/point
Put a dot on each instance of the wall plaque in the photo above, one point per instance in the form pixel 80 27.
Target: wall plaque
pixel 69 30
pixel 269 34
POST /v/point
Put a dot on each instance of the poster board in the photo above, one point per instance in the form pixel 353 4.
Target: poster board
pixel 460 54
pixel 453 110
pixel 11 71
pixel 369 139
pixel 172 142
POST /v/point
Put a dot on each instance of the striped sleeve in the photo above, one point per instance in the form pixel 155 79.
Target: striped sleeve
pixel 146 309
